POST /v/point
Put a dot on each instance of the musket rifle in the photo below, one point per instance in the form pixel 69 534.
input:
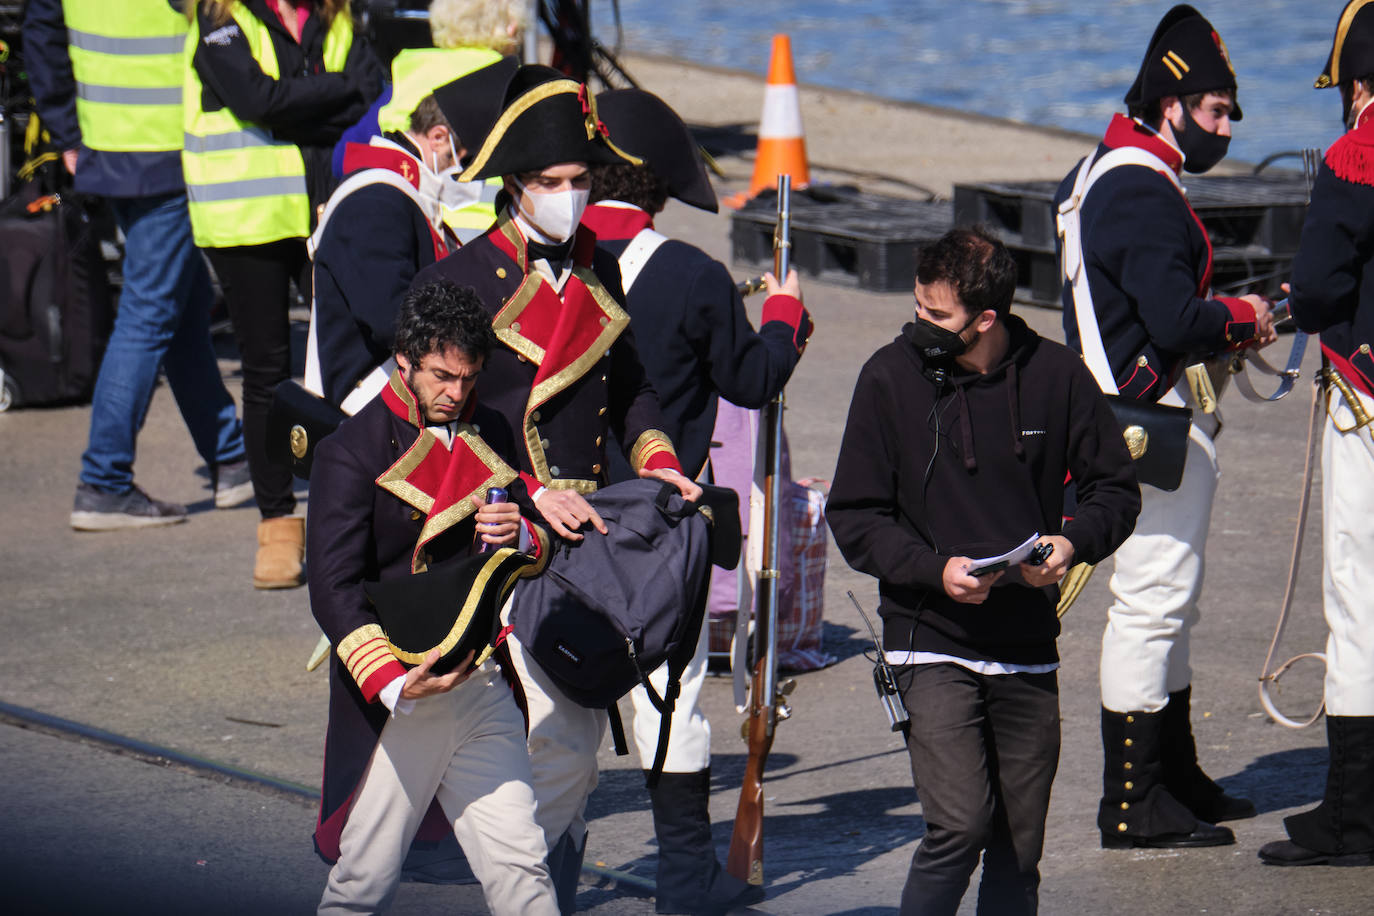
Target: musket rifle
pixel 766 698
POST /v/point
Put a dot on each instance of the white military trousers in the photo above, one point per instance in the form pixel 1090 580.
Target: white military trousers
pixel 467 747
pixel 564 737
pixel 689 738
pixel 1348 548
pixel 1156 584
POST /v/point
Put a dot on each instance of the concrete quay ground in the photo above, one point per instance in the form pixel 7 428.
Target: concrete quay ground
pixel 158 635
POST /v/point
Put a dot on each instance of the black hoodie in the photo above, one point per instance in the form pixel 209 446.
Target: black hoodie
pixel 937 465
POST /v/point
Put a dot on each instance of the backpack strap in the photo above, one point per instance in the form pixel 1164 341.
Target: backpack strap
pixel 617 730
pixel 677 666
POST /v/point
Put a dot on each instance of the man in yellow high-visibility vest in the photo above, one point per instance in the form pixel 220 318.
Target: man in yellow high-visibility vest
pixel 106 76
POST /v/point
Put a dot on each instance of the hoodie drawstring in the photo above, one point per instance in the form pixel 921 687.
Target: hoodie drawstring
pixel 1014 403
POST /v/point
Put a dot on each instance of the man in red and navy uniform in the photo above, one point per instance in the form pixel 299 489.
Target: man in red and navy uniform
pixel 399 487
pixel 1147 311
pixel 1333 293
pixel 381 227
pixel 566 376
pixel 698 346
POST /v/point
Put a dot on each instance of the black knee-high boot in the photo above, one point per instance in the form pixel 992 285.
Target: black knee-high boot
pixel 1184 778
pixel 690 879
pixel 1136 808
pixel 1340 830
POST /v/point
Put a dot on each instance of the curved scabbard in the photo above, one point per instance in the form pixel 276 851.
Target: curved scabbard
pixel 1288 376
pixel 1270 676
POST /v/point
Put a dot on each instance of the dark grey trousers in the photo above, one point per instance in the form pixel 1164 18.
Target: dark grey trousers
pixel 984 750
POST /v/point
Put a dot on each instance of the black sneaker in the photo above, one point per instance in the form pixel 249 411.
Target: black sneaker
pixel 99 510
pixel 232 483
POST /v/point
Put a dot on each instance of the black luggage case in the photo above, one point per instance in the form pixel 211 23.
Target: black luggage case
pixel 56 309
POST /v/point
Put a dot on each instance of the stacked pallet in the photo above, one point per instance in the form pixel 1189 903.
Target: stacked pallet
pixel 843 235
pixel 1255 222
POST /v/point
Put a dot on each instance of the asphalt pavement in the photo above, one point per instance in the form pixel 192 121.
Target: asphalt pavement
pixel 158 635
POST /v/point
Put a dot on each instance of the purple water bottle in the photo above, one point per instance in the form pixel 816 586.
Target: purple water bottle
pixel 494 495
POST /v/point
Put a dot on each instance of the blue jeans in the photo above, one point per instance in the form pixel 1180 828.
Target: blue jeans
pixel 163 323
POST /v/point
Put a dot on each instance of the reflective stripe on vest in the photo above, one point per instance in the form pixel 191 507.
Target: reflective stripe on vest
pixel 127 62
pixel 416 72
pixel 244 187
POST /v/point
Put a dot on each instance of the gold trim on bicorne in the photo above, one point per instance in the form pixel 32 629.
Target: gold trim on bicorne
pixel 616 322
pixel 501 475
pixel 651 442
pixel 545 551
pixel 1342 28
pixel 363 664
pixel 508 117
pixel 474 597
pixel 393 479
pixel 398 388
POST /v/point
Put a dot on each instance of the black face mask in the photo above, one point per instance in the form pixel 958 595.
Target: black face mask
pixel 938 343
pixel 1202 149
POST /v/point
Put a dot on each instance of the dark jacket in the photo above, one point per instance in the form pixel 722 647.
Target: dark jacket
pixel 357 531
pixel 1149 263
pixel 695 338
pixel 1333 274
pixel 105 173
pixel 307 105
pixel 374 243
pixel 972 467
pixel 597 395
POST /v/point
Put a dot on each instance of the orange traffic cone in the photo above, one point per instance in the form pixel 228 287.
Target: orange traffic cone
pixel 782 148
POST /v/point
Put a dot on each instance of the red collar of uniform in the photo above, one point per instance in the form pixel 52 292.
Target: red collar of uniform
pixel 612 224
pixel 444 483
pixel 358 156
pixel 1124 131
pixel 507 237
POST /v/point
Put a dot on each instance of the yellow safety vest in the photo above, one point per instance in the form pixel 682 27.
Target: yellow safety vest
pixel 416 72
pixel 127 61
pixel 244 186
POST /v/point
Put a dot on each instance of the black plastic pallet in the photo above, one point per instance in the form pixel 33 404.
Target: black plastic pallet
pixel 1239 211
pixel 842 235
pixel 1235 271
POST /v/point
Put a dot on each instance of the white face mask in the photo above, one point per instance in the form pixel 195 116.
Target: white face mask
pixel 443 185
pixel 554 216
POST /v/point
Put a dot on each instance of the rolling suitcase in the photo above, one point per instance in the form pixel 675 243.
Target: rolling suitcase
pixel 56 310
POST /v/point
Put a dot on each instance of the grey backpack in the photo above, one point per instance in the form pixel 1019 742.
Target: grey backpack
pixel 610 609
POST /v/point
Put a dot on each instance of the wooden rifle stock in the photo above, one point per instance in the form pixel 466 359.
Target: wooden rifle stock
pixel 745 859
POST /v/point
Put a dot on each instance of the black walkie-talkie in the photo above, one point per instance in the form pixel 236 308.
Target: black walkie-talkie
pixel 884 679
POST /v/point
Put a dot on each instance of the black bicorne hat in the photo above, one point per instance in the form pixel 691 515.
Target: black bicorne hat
pixel 546 119
pixel 1352 47
pixel 454 607
pixel 1186 55
pixel 472 103
pixel 643 125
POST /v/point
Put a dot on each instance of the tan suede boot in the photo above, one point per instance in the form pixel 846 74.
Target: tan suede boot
pixel 281 550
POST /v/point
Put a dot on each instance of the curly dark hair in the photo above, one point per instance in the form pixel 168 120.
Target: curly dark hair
pixel 973 261
pixel 633 184
pixel 440 315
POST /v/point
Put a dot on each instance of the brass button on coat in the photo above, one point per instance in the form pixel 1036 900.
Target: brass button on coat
pixel 554 470
pixel 596 469
pixel 501 272
pixel 414 515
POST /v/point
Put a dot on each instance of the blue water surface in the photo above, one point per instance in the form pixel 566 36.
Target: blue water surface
pixel 1053 62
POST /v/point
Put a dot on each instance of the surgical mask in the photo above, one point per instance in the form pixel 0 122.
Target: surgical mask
pixel 443 185
pixel 938 343
pixel 553 217
pixel 1201 148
